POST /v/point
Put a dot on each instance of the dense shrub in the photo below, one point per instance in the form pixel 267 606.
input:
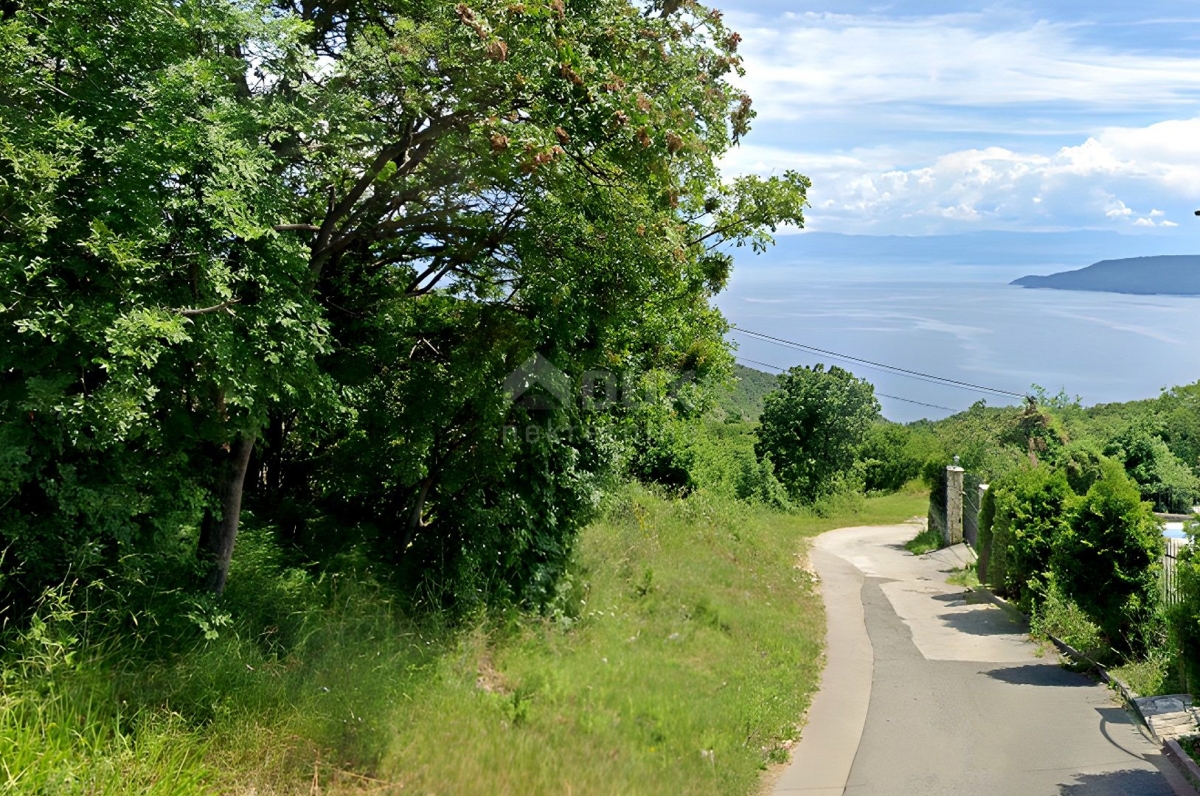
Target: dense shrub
pixel 757 484
pixel 1109 557
pixel 1030 513
pixel 1082 461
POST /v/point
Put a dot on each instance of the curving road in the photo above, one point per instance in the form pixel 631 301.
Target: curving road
pixel 927 693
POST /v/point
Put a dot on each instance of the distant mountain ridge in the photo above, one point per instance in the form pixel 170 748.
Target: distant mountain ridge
pixel 1054 249
pixel 1171 275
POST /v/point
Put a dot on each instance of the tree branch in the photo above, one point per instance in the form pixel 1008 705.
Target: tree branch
pixel 224 305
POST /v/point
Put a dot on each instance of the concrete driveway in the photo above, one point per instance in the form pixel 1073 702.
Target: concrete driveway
pixel 925 692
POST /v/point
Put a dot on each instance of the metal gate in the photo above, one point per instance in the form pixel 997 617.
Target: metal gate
pixel 972 504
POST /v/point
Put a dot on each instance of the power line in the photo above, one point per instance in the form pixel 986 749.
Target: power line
pixel 880 394
pixel 913 374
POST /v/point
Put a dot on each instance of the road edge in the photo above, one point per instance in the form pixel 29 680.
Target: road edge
pixel 821 762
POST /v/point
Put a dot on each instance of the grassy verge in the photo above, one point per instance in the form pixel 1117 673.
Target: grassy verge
pixel 678 658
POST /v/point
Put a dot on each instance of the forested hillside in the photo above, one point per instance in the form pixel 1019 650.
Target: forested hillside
pixel 1171 275
pixel 743 398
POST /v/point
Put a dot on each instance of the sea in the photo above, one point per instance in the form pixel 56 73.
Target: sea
pixel 964 323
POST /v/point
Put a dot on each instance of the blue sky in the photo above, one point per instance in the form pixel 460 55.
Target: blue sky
pixel 919 118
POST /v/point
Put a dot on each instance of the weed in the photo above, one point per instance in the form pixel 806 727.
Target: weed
pixel 924 542
pixel 965 576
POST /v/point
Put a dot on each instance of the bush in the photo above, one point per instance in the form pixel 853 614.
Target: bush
pixel 1082 461
pixel 1030 512
pixel 757 484
pixel 1057 615
pixel 1108 560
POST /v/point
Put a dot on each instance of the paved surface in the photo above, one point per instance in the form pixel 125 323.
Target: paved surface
pixel 926 693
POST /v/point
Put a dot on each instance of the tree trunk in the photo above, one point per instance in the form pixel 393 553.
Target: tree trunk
pixel 221 526
pixel 415 522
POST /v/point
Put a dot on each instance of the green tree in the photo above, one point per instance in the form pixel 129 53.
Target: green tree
pixel 1181 423
pixel 154 318
pixel 813 426
pixel 895 454
pixel 299 247
pixel 1161 476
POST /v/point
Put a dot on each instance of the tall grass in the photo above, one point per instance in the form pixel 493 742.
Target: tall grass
pixel 677 658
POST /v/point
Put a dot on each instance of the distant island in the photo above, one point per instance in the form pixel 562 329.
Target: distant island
pixel 1172 275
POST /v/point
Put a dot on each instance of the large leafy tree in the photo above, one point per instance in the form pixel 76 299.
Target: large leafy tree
pixel 300 245
pixel 813 426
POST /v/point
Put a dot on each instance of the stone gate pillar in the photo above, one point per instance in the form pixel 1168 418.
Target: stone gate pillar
pixel 954 505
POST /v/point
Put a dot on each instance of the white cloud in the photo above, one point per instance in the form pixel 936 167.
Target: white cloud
pixel 1120 177
pixel 988 120
pixel 808 62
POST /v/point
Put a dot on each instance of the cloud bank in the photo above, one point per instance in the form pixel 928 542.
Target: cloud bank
pixel 973 121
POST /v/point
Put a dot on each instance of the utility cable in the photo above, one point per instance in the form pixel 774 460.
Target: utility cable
pixel 880 394
pixel 914 374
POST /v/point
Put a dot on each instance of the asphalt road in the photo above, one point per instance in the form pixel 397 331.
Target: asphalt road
pixel 925 692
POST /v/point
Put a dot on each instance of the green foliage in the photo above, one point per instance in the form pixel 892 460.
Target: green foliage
pixel 976 436
pixel 1036 431
pixel 1031 510
pixel 1180 412
pixel 966 576
pixel 1158 672
pixel 1108 560
pixel 894 454
pixel 1184 616
pixel 1083 463
pixel 937 479
pixel 1059 616
pixel 812 428
pixel 1162 478
pixel 924 542
pixel 301 251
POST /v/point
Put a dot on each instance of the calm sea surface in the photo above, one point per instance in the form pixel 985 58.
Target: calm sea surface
pixel 966 323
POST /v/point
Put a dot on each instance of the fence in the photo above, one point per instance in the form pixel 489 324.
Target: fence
pixel 972 494
pixel 973 487
pixel 1169 584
